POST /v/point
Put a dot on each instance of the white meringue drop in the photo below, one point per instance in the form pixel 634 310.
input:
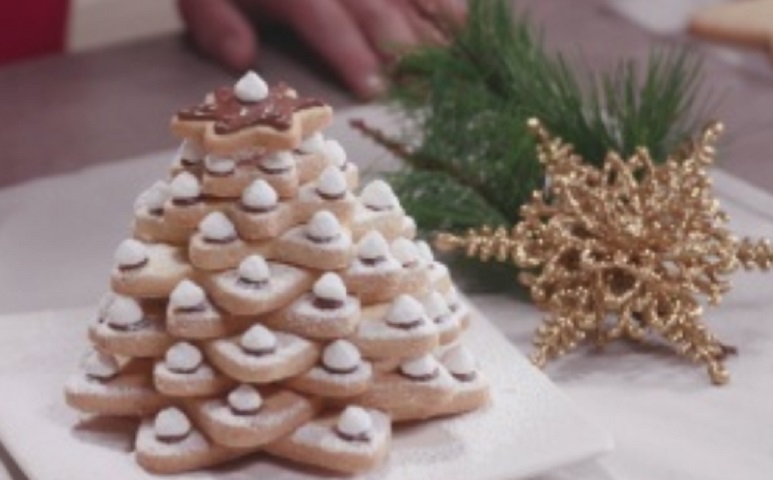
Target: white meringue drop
pixel 404 310
pixel 131 253
pixel 187 295
pixel 254 269
pixel 185 186
pixel 251 88
pixel 332 182
pixel 260 195
pixel 171 422
pixel 124 312
pixel 323 225
pixel 341 355
pixel 378 195
pixel 183 356
pixel 245 398
pixel 354 422
pixel 258 338
pixel 330 287
pixel 217 227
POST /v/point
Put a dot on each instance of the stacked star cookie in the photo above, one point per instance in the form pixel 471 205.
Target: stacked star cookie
pixel 261 305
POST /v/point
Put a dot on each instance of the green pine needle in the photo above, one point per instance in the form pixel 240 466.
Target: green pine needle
pixel 467 105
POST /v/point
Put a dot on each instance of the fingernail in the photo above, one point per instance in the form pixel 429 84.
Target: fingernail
pixel 373 85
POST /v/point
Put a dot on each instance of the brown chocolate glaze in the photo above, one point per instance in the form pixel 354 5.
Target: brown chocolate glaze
pixel 421 378
pixel 406 326
pixel 135 266
pixel 244 413
pixel 156 212
pixel 327 196
pixel 185 202
pixel 200 308
pixel 259 353
pixel 185 162
pixel 372 262
pixel 251 284
pixel 316 239
pixel 220 241
pixel 274 170
pixel 339 371
pixel 185 370
pixel 231 114
pixel 102 379
pixel 465 377
pixel 172 438
pixel 130 328
pixel 248 209
pixel 379 209
pixel 326 303
pixel 363 437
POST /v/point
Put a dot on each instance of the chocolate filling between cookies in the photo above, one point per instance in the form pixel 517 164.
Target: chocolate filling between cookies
pixel 200 308
pixel 340 371
pixel 185 371
pixel 252 284
pixel 186 202
pixel 372 262
pixel 239 412
pixel 220 241
pixel 133 327
pixel 260 352
pixel 317 239
pixel 330 197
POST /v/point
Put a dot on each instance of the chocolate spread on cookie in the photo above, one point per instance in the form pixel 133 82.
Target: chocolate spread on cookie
pixel 135 266
pixel 259 352
pixel 133 327
pixel 172 438
pixel 245 412
pixel 339 371
pixel 327 303
pixel 200 308
pixel 220 241
pixel 191 369
pixel 465 377
pixel 372 262
pixel 329 197
pixel 406 325
pixel 317 239
pixel 252 284
pixel 231 114
pixel 185 202
pixel 249 209
pixel 274 170
pixel 359 438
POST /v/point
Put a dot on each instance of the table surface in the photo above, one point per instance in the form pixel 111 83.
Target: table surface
pixel 68 112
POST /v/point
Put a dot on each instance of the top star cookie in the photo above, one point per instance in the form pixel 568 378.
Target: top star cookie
pixel 252 115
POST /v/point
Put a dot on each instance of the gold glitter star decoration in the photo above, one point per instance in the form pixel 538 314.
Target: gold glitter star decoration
pixel 628 250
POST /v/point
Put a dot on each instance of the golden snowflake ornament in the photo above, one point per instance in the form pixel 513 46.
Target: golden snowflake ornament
pixel 626 250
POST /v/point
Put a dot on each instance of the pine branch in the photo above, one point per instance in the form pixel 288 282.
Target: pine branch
pixel 470 100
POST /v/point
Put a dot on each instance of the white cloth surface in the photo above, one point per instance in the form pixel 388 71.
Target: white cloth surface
pixel 57 237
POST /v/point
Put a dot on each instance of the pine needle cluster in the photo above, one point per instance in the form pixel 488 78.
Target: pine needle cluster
pixel 469 157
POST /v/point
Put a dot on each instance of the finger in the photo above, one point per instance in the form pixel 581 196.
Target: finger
pixel 446 15
pixel 384 24
pixel 221 31
pixel 330 30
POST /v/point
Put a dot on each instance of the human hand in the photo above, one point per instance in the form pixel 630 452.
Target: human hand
pixel 355 37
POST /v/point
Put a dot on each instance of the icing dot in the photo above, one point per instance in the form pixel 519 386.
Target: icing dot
pixel 378 195
pixel 124 312
pixel 260 194
pixel 341 356
pixel 404 310
pixel 171 423
pixel 335 153
pixel 278 161
pixel 217 227
pixel 419 367
pixel 452 298
pixel 190 151
pixel 355 422
pixel 405 251
pixel 219 165
pixel 187 295
pixel 183 357
pixel 100 365
pixel 372 246
pixel 254 269
pixel 425 251
pixel 435 306
pixel 332 182
pixel 131 253
pixel 323 226
pixel 314 143
pixel 251 88
pixel 154 197
pixel 330 287
pixel 185 186
pixel 459 361
pixel 245 399
pixel 258 339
